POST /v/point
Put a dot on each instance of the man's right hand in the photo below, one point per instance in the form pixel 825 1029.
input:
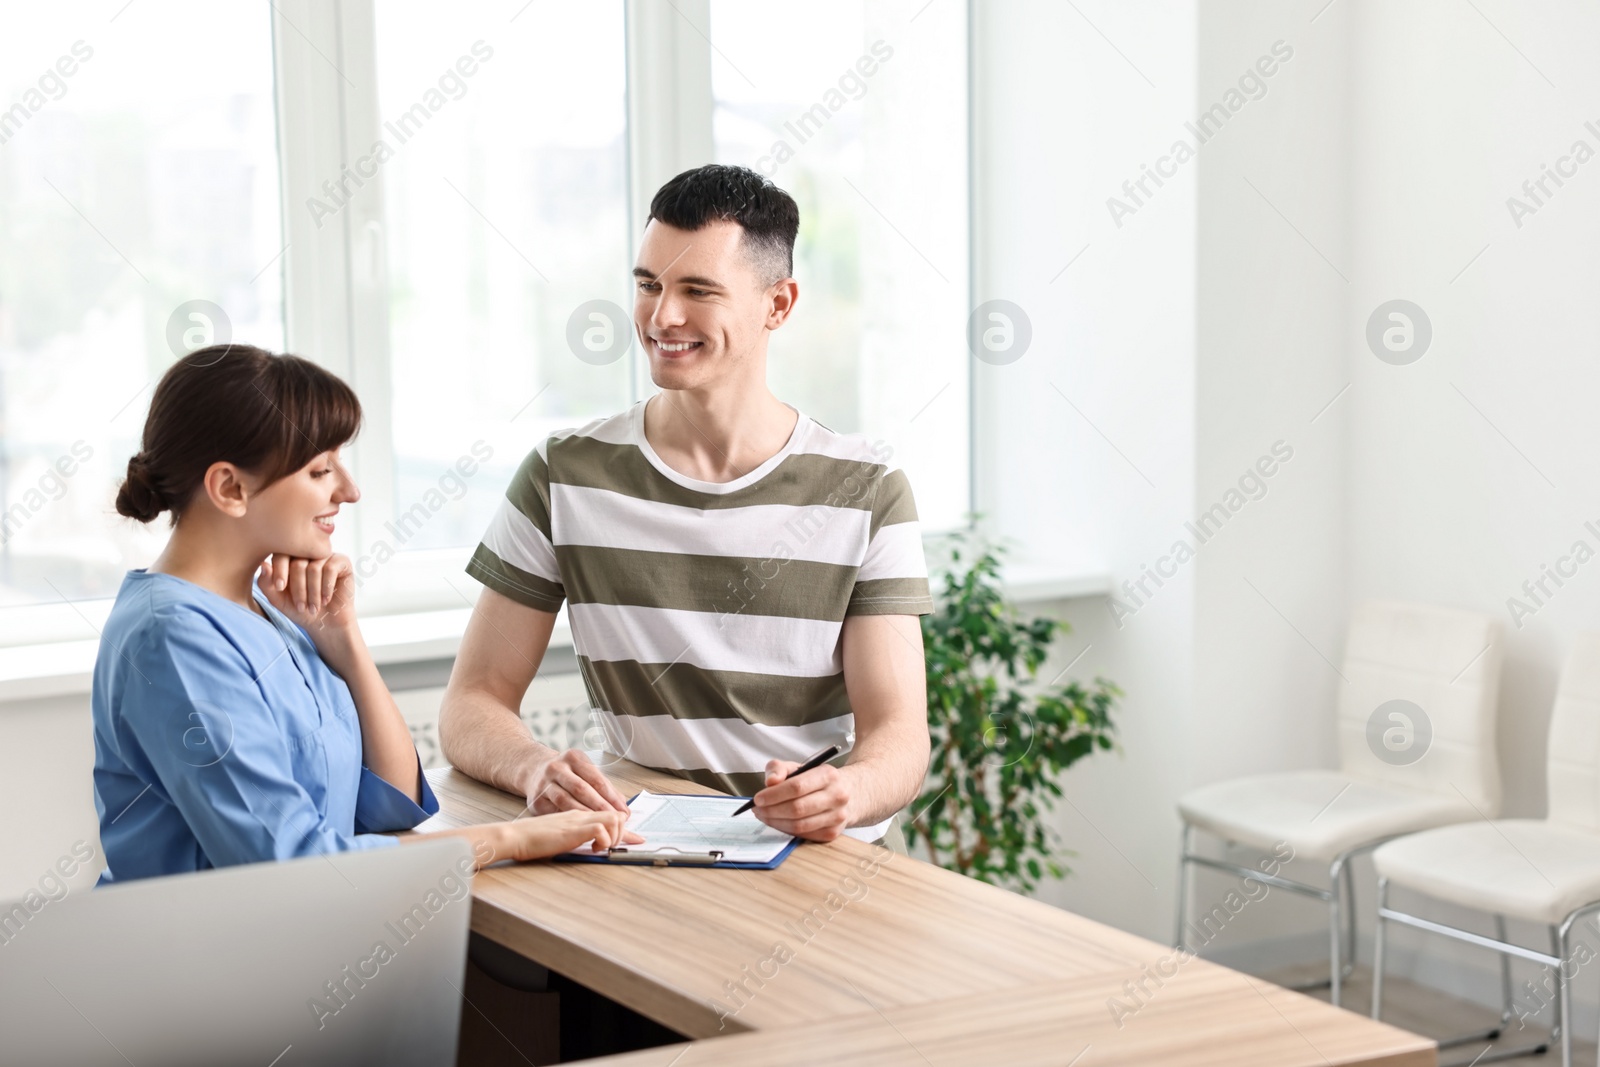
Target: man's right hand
pixel 569 781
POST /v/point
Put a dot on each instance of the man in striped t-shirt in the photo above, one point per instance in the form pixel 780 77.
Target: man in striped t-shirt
pixel 742 583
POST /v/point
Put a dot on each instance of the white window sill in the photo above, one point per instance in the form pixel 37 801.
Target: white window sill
pixel 65 668
pixel 1039 583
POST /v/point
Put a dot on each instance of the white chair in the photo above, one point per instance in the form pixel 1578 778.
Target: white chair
pixel 1545 871
pixel 1396 775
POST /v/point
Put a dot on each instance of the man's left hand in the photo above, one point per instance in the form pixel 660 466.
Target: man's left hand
pixel 814 805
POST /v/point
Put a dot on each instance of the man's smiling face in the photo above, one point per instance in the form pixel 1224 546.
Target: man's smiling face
pixel 701 307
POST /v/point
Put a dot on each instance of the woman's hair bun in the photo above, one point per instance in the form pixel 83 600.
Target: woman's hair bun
pixel 138 498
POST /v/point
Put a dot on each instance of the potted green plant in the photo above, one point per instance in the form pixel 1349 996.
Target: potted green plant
pixel 1000 740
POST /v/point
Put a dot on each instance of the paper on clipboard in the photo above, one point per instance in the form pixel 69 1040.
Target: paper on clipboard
pixel 700 824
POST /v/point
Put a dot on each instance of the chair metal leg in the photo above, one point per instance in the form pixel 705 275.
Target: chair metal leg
pixel 1335 931
pixel 1507 1011
pixel 1493 1033
pixel 1507 1000
pixel 1350 910
pixel 1185 846
pixel 1386 914
pixel 1557 958
pixel 1563 1026
pixel 1377 950
pixel 1498 1055
pixel 1339 897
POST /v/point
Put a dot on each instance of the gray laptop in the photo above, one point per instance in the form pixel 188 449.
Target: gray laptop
pixel 356 957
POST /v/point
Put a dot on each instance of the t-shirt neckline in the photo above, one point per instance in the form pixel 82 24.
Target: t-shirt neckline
pixel 636 432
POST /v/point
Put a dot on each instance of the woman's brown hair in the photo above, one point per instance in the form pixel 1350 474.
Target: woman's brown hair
pixel 269 415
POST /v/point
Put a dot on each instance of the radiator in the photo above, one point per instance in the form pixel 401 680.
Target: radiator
pixel 555 710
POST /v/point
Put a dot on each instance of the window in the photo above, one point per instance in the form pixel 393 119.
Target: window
pixel 503 215
pixel 138 194
pixel 877 342
pixel 426 200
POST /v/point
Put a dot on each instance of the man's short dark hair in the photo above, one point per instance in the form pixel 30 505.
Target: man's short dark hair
pixel 717 193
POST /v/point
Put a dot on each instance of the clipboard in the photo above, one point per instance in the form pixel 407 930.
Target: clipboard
pixel 669 856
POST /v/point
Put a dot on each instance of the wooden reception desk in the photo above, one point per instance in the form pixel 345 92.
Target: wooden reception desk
pixel 851 953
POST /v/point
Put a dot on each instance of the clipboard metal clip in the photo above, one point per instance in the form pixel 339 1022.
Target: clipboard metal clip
pixel 665 857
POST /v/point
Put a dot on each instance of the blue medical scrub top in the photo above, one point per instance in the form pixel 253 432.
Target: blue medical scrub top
pixel 221 738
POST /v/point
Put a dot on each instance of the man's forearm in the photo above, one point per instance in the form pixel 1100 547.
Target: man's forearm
pixel 487 740
pixel 885 774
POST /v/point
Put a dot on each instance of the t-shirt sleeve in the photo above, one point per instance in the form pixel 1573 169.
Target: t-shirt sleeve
pixel 894 575
pixel 515 557
pixel 219 753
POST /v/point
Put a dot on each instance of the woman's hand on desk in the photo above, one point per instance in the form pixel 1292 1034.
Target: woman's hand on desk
pixel 542 836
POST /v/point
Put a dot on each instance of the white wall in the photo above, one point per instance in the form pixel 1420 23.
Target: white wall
pixel 1194 336
pixel 1273 257
pixel 1091 453
pixel 1269 317
pixel 1470 469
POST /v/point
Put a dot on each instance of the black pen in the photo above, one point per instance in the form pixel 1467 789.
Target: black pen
pixel 811 764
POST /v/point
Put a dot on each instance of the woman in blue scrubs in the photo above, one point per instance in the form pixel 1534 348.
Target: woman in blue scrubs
pixel 238 714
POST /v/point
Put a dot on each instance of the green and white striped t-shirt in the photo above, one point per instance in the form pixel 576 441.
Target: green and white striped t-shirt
pixel 706 616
